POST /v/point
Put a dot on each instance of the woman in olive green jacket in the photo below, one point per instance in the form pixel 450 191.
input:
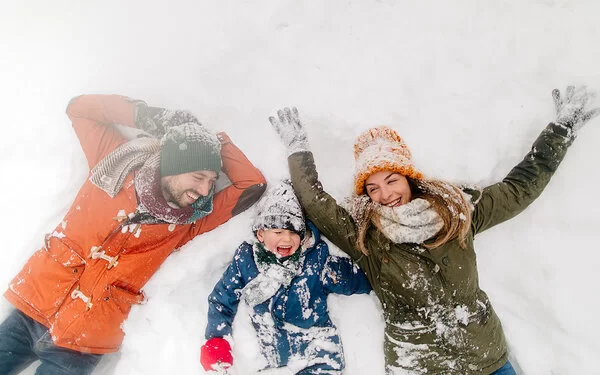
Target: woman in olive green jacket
pixel 413 237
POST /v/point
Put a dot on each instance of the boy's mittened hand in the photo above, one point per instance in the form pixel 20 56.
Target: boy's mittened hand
pixel 291 131
pixel 216 354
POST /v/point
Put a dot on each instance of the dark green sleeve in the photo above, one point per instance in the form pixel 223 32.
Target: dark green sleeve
pixel 321 208
pixel 525 182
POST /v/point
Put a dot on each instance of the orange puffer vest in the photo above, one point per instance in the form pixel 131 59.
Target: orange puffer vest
pixel 83 282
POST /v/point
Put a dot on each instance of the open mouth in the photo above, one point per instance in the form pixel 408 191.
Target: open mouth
pixel 284 250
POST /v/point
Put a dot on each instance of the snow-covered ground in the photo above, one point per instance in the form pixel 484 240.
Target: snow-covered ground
pixel 467 84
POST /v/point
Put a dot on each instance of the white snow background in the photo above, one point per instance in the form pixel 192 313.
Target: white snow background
pixel 467 83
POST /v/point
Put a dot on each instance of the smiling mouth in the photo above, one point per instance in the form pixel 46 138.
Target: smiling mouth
pixel 192 196
pixel 394 203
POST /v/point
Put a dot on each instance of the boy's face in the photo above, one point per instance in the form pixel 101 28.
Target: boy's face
pixel 281 242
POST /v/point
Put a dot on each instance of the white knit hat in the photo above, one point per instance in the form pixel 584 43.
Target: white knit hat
pixel 279 208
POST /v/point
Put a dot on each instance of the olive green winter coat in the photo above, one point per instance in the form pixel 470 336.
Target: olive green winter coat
pixel 438 320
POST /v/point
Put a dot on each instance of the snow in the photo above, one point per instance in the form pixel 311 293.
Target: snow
pixel 467 85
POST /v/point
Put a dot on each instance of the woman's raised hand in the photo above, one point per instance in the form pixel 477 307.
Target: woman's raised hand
pixel 291 131
pixel 572 108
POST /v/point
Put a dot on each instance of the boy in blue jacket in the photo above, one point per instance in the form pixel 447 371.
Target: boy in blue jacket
pixel 285 277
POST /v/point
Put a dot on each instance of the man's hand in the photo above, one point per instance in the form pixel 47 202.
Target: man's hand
pixel 290 130
pixel 571 110
pixel 215 355
pixel 157 121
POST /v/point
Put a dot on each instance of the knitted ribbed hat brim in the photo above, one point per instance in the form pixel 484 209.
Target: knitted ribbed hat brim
pixel 195 157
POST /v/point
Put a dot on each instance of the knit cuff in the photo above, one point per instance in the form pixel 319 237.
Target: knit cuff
pixel 562 130
pixel 298 146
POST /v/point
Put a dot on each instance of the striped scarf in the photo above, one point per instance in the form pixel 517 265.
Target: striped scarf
pixel 110 173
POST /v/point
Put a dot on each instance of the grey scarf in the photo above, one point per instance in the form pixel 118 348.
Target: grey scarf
pixel 271 277
pixel 414 222
pixel 110 173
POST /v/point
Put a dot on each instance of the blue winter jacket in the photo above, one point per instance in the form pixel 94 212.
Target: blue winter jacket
pixel 295 318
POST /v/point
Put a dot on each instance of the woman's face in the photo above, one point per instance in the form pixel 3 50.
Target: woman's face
pixel 388 188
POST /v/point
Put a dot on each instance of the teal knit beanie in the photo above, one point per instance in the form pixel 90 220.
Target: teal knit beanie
pixel 187 148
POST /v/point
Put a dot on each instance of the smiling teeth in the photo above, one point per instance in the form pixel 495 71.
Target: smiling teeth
pixel 193 196
pixel 393 203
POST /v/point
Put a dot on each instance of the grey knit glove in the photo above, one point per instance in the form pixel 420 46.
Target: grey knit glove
pixel 571 110
pixel 290 130
pixel 157 121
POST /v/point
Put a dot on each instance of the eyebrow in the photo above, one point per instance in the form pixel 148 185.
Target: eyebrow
pixel 385 179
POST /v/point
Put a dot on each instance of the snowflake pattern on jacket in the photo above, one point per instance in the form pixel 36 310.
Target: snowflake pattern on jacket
pixel 293 325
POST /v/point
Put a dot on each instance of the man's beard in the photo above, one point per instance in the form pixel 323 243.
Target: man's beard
pixel 169 195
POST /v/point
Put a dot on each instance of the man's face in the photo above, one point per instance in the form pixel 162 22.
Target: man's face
pixel 184 189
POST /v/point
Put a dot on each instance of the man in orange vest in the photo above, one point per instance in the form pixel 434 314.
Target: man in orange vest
pixel 143 199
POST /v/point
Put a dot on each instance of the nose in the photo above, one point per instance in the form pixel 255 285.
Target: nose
pixel 386 194
pixel 203 187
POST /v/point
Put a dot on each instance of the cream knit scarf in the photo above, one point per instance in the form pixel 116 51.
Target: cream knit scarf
pixel 414 222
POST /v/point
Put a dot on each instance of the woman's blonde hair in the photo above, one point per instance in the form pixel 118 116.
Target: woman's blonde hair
pixel 446 199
